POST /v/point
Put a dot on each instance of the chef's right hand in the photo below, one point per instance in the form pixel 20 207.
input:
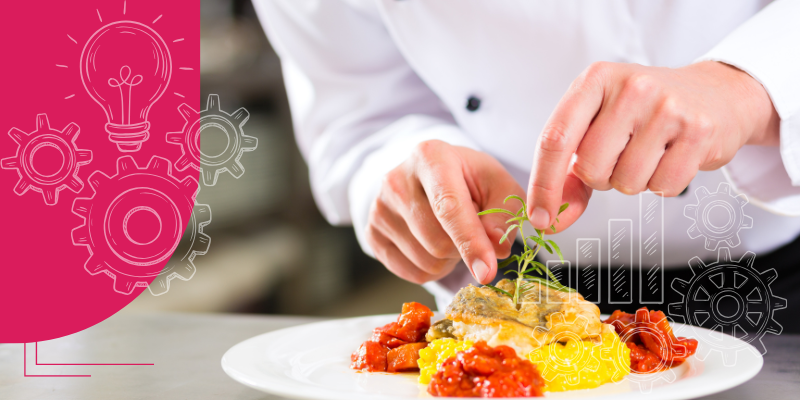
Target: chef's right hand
pixel 425 220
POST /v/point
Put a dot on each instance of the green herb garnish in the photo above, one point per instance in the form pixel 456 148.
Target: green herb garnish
pixel 526 262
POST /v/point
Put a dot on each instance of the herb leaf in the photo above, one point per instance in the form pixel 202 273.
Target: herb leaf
pixel 495 211
pixel 526 262
pixel 495 288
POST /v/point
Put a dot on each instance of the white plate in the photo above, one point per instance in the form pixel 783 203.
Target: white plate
pixel 312 362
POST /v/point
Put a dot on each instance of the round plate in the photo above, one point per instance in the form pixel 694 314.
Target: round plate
pixel 312 362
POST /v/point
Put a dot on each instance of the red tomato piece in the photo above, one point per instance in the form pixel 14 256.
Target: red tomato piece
pixel 485 371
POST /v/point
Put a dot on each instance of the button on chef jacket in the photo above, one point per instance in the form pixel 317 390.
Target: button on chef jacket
pixel 367 80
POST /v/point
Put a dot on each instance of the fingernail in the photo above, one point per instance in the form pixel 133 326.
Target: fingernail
pixel 540 219
pixel 480 270
pixel 499 232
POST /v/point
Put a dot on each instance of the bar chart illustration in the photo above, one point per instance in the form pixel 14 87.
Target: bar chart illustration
pixel 588 266
pixel 620 255
pixel 634 257
pixel 651 248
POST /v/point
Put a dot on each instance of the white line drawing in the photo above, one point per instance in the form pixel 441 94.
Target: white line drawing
pixel 41 179
pixel 210 166
pixel 561 270
pixel 556 364
pixel 127 255
pixel 126 67
pixel 651 244
pixel 706 213
pixel 643 325
pixel 620 255
pixel 588 266
pixel 732 297
pixel 193 243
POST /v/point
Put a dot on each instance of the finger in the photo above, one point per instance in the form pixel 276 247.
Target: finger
pixel 441 173
pixel 639 160
pixel 577 194
pixel 560 138
pixel 604 141
pixel 392 225
pixel 676 169
pixel 412 204
pixel 498 184
pixel 394 260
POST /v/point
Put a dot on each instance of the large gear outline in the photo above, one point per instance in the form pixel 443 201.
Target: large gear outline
pixel 732 204
pixel 104 231
pixel 189 139
pixel 665 373
pixel 193 243
pixel 45 136
pixel 730 279
pixel 607 354
pixel 554 367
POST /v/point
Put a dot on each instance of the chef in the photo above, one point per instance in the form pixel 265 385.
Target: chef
pixel 415 114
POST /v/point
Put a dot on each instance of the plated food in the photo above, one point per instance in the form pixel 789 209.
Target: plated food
pixel 522 337
pixel 312 361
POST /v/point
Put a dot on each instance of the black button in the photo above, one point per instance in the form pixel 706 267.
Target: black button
pixel 684 191
pixel 473 104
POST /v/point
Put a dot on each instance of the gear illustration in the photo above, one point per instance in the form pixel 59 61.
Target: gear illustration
pixel 120 245
pixel 749 314
pixel 193 243
pixel 610 352
pixel 665 374
pixel 714 231
pixel 209 165
pixel 29 166
pixel 555 364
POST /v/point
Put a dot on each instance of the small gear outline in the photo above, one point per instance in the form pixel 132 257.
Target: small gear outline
pixel 193 243
pixel 49 185
pixel 104 233
pixel 728 279
pixel 555 367
pixel 665 374
pixel 210 166
pixel 723 199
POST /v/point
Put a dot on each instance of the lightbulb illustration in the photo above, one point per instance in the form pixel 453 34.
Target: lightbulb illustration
pixel 126 67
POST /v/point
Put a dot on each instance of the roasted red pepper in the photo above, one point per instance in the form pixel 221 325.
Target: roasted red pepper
pixel 413 323
pixel 370 356
pixel 404 358
pixel 411 327
pixel 653 344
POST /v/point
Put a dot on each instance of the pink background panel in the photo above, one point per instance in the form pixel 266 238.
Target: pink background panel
pixel 45 292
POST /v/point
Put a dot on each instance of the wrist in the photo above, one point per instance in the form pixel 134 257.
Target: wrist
pixel 754 109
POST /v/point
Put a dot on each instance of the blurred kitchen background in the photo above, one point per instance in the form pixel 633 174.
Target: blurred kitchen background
pixel 271 250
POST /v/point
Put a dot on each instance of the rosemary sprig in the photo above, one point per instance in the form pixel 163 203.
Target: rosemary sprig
pixel 526 262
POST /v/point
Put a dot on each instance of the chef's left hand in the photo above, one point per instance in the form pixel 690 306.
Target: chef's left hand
pixel 635 128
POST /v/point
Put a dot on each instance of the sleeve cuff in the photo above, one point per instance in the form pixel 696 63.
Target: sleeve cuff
pixel 406 133
pixel 766 47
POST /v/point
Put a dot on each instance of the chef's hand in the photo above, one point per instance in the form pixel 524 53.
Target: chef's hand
pixel 425 217
pixel 635 128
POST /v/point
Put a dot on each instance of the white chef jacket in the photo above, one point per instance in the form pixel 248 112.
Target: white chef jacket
pixel 367 80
